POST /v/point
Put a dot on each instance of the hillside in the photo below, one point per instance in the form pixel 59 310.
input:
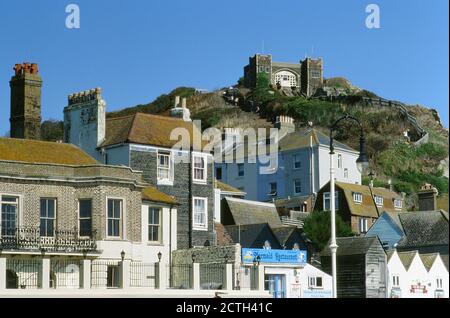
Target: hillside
pixel 392 159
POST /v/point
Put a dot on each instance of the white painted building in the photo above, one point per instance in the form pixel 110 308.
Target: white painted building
pixel 414 275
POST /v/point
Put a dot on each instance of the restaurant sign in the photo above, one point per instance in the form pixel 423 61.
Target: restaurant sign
pixel 269 256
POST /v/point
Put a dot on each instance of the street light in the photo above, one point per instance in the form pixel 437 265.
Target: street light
pixel 362 163
pixel 122 255
pixel 159 257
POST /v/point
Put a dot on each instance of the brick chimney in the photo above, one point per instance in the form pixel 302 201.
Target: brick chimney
pixel 427 198
pixel 285 125
pixel 25 116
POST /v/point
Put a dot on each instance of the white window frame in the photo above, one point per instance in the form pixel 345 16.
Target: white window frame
pixel 169 180
pixel 18 205
pixel 295 186
pixel 395 280
pixel 160 225
pixel 326 196
pixel 312 282
pixel 398 203
pixel 47 218
pixel 196 226
pixel 273 193
pixel 363 225
pixel 357 197
pixel 84 218
pixel 379 201
pixel 122 229
pixel 295 161
pixel 204 169
pixel 339 161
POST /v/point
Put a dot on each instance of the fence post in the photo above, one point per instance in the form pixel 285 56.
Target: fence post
pixel 125 274
pixel 45 277
pixel 86 265
pixel 162 281
pixel 229 276
pixel 261 271
pixel 196 278
pixel 2 273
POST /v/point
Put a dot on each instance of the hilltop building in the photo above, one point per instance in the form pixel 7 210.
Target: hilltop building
pixel 305 76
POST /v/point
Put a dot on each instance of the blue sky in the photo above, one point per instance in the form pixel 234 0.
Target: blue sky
pixel 137 50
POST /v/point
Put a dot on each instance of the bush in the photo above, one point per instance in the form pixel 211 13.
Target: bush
pixel 317 228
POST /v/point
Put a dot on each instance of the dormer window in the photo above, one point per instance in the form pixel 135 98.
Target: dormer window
pixel 378 200
pixel 357 197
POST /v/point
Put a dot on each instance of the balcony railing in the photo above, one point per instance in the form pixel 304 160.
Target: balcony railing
pixel 30 239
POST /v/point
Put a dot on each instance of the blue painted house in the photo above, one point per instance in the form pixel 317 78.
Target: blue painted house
pixel 387 229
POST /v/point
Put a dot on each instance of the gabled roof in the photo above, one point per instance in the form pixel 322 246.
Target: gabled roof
pixel 424 228
pixel 428 260
pixel 298 139
pixel 406 258
pixel 154 195
pixel 246 212
pixel 145 129
pixel 356 245
pixel 250 235
pixel 284 233
pixel 34 151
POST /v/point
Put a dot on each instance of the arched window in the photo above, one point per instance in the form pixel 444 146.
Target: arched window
pixel 286 79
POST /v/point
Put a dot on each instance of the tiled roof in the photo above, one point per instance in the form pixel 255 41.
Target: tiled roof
pixel 367 208
pixel 406 258
pixel 154 195
pixel 297 140
pixel 252 212
pixel 226 187
pixel 145 129
pixel 356 245
pixel 424 228
pixel 283 233
pixel 33 151
pixel 250 235
pixel 223 237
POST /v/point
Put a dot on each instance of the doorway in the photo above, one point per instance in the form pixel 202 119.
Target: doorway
pixel 276 285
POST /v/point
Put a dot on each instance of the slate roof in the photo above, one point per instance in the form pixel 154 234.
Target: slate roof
pixel 246 212
pixel 357 245
pixel 250 235
pixel 154 195
pixel 145 129
pixel 406 258
pixel 34 151
pixel 424 228
pixel 283 233
pixel 445 260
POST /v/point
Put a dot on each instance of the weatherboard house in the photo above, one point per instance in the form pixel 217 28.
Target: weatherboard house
pixel 143 142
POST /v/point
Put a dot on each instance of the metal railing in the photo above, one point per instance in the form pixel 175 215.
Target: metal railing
pixel 143 274
pixel 65 273
pixel 105 274
pixel 246 278
pixel 29 238
pixel 23 273
pixel 180 276
pixel 213 276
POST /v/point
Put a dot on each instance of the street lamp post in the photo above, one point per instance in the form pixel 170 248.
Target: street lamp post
pixel 362 163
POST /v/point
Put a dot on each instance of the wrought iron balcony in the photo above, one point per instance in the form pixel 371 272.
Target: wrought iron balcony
pixel 30 239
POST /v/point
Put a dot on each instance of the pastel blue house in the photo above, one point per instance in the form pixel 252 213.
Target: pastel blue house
pixel 387 230
pixel 302 165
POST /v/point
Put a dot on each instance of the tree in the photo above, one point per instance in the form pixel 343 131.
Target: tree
pixel 52 130
pixel 318 228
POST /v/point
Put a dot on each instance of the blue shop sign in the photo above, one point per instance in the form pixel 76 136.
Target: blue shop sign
pixel 317 294
pixel 297 257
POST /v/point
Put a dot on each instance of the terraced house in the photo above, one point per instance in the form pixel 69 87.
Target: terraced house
pixel 69 222
pixel 145 142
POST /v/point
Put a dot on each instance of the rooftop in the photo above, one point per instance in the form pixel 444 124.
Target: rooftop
pixel 246 212
pixel 356 245
pixel 33 151
pixel 154 195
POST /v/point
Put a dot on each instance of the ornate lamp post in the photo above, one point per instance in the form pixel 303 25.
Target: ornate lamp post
pixel 362 164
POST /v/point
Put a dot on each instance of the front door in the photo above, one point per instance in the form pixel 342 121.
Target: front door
pixel 276 285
